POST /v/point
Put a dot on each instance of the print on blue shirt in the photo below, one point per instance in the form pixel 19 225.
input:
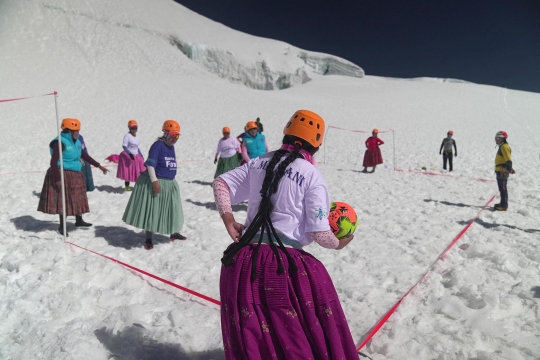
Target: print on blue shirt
pixel 163 159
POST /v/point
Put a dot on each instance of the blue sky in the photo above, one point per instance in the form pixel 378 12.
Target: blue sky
pixel 494 42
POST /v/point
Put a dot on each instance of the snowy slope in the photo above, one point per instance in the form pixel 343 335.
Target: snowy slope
pixel 113 61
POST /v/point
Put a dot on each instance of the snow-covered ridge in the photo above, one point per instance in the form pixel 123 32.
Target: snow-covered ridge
pixel 259 74
pixel 253 66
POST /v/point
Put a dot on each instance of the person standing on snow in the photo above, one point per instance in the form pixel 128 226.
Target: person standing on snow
pixel 503 168
pixel 155 204
pixel 278 301
pixel 446 149
pixel 373 156
pixel 259 125
pixel 254 144
pixel 50 201
pixel 227 150
pixel 131 160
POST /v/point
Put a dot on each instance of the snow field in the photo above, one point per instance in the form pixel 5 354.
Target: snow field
pixel 57 301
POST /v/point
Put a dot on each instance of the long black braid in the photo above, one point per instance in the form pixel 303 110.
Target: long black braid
pixel 262 219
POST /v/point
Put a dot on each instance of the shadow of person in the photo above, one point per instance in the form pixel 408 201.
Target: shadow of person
pixel 212 205
pixel 200 182
pixel 133 342
pixel 111 189
pixel 494 225
pixel 119 236
pixel 452 204
pixel 29 223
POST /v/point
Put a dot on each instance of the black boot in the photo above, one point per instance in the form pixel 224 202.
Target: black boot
pixel 61 227
pixel 178 236
pixel 148 244
pixel 80 222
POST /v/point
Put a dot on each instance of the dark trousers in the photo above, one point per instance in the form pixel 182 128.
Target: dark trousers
pixel 501 182
pixel 447 156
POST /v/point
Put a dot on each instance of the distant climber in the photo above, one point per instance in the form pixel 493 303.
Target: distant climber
pixel 446 150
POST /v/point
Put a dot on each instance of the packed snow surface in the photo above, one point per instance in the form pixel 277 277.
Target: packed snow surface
pixel 112 61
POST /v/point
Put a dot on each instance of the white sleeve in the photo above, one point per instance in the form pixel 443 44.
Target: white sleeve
pixel 238 182
pixel 316 206
pixel 125 143
pixel 151 173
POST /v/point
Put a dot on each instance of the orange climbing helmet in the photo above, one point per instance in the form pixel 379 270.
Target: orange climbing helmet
pixel 376 131
pixel 450 132
pixel 71 124
pixel 251 125
pixel 226 129
pixel 132 124
pixel 171 126
pixel 306 125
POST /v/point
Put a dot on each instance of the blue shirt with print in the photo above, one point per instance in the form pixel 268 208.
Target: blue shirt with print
pixel 163 159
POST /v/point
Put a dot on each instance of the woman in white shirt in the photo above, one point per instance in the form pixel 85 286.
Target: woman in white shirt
pixel 227 149
pixel 279 302
pixel 130 161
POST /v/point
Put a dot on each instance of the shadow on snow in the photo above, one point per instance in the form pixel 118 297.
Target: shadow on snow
pixel 212 205
pixel 29 223
pixel 536 290
pixel 133 343
pixel 199 182
pixel 111 189
pixel 493 225
pixel 118 236
pixel 452 204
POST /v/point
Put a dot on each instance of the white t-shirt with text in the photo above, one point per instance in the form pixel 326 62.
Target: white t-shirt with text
pixel 301 203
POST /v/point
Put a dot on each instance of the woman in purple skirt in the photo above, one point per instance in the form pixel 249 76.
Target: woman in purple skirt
pixel 278 301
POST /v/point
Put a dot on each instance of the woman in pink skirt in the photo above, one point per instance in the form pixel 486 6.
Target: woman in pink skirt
pixel 277 300
pixel 373 156
pixel 130 161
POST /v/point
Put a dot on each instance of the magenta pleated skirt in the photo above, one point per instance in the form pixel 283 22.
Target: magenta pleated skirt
pixel 130 170
pixel 295 315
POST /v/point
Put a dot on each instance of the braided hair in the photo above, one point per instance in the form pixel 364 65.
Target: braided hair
pixel 262 220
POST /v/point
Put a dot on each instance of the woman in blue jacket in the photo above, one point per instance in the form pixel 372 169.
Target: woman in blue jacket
pixel 50 201
pixel 254 144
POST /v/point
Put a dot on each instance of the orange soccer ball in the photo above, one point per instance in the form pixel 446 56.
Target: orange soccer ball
pixel 342 218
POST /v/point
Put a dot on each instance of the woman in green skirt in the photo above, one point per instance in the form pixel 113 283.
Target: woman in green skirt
pixel 155 203
pixel 228 148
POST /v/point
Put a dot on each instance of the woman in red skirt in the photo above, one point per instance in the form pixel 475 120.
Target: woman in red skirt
pixel 50 201
pixel 373 156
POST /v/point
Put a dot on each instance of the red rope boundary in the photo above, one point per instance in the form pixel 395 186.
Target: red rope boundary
pixel 374 330
pixel 447 175
pixel 359 131
pixel 385 318
pixel 105 166
pixel 28 97
pixel 202 296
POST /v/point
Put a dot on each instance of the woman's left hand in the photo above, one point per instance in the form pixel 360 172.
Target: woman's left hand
pixel 105 171
pixel 234 228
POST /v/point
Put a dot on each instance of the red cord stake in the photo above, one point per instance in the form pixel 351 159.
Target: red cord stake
pixel 385 318
pixel 207 298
